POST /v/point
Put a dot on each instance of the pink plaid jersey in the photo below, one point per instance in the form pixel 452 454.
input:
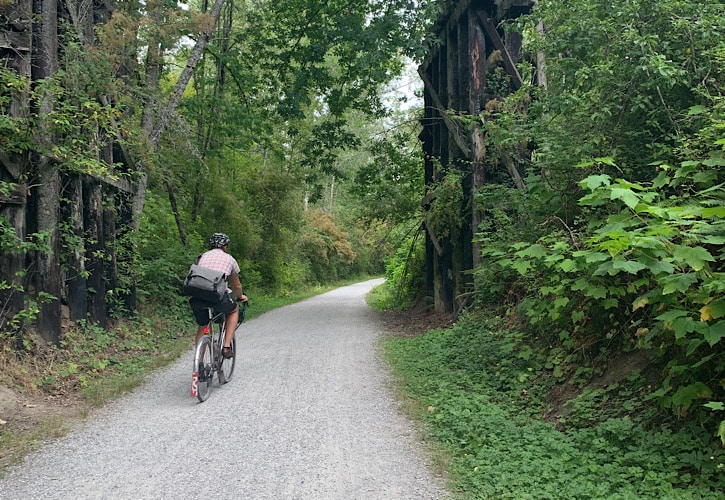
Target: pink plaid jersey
pixel 218 260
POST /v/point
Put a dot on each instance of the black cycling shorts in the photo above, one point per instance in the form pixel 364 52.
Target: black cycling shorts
pixel 201 308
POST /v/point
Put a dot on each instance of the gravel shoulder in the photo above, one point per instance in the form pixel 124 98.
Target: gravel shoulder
pixel 308 415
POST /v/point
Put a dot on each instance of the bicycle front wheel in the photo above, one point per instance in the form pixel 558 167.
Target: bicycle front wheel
pixel 204 365
pixel 225 374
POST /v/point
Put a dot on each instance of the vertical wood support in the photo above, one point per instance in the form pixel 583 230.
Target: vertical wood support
pixel 476 98
pixel 77 287
pixel 13 206
pixel 47 194
pixel 455 82
pixel 93 222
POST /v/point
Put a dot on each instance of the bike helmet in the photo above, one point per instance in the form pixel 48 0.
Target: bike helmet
pixel 218 240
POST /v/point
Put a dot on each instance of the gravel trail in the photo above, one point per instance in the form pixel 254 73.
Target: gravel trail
pixel 308 415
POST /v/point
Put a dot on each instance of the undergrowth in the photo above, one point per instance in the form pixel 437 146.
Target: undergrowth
pixel 483 395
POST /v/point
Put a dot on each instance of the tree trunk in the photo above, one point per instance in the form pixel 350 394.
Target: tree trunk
pixel 185 76
pixel 159 128
pixel 177 215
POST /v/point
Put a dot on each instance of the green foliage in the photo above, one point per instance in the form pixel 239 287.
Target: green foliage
pixel 403 272
pixel 15 132
pixel 648 275
pixel 91 357
pixel 163 261
pixel 623 75
pixel 390 186
pixel 616 244
pixel 475 391
pixel 444 217
pixel 325 247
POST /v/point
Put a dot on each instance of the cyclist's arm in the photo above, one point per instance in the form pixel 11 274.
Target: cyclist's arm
pixel 236 286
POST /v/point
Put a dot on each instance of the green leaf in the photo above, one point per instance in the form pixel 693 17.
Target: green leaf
pixel 683 326
pixel 661 180
pixel 716 333
pixel 717 308
pixel 596 292
pixel 695 257
pixel 522 266
pixel 605 268
pixel 628 196
pixel 715 405
pixel 590 257
pixel 714 212
pixel 561 302
pixel 610 303
pixel 605 160
pixel 713 240
pixel 630 266
pixel 505 262
pixel 568 266
pixel 594 181
pixel 671 315
pixel 714 162
pixel 684 396
pixel 629 185
pixel 677 283
pixel 534 251
pixel 662 267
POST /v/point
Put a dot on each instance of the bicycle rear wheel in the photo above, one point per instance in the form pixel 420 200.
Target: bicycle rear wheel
pixel 204 365
pixel 227 370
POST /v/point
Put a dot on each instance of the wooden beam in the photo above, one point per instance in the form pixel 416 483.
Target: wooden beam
pixel 117 182
pixel 432 236
pixel 452 126
pixel 13 198
pixel 444 24
pixel 18 42
pixel 508 61
pixel 12 164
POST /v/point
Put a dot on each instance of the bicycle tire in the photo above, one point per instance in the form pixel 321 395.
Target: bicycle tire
pixel 204 364
pixel 227 364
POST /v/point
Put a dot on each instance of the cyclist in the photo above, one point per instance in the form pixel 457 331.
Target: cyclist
pixel 218 259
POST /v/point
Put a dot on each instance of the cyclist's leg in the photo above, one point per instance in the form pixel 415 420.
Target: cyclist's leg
pixel 227 368
pixel 201 315
pixel 231 327
pixel 229 307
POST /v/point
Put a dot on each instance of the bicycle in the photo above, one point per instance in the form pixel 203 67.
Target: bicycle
pixel 208 358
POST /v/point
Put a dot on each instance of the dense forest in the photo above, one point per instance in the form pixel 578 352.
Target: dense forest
pixel 132 130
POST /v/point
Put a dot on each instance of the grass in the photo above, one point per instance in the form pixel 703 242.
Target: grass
pixel 482 402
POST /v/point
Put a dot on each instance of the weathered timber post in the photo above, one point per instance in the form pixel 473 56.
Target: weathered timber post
pixel 455 83
pixel 94 246
pixel 46 194
pixel 76 284
pixel 15 48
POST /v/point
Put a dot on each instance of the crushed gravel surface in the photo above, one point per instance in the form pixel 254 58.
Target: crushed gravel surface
pixel 308 415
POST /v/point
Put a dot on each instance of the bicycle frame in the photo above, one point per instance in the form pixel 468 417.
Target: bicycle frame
pixel 208 358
